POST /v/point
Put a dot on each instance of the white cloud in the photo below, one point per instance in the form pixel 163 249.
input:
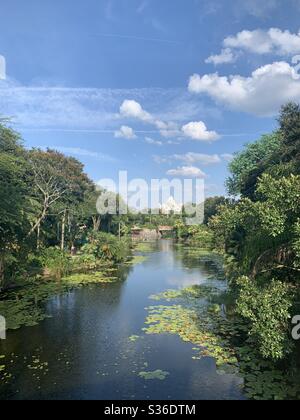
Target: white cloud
pixel 133 109
pixel 198 131
pixel 149 140
pixel 204 159
pixel 261 94
pixel 273 41
pixel 76 151
pixel 225 57
pixel 187 171
pixel 125 132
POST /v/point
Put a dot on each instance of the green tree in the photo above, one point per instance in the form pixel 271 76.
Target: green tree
pixel 211 206
pixel 15 205
pixel 251 163
pixel 59 184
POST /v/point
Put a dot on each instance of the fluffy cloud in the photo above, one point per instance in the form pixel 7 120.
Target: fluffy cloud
pixel 125 132
pixel 261 94
pixel 274 41
pixel 192 158
pixel 198 131
pixel 187 171
pixel 133 109
pixel 225 57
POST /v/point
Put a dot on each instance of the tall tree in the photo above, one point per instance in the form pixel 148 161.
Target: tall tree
pixel 59 182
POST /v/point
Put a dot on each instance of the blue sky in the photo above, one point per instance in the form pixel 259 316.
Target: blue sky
pixel 158 88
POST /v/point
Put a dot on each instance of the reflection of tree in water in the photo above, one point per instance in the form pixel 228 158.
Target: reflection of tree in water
pixel 209 264
pixel 82 313
pixel 124 271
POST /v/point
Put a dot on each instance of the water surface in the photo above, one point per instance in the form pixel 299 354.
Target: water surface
pixel 84 351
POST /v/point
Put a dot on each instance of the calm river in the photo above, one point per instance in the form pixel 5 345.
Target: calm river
pixel 84 350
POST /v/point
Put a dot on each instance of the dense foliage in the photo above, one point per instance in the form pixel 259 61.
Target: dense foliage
pixel 259 231
pixel 48 208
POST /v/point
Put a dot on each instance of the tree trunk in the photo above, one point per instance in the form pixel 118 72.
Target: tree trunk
pixel 96 223
pixel 63 230
pixel 40 219
pixel 38 236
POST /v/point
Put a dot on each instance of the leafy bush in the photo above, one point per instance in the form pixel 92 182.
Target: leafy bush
pixel 267 308
pixel 56 262
pixel 198 234
pixel 107 247
pixel 201 235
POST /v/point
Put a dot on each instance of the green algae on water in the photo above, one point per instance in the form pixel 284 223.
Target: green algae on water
pixel 157 374
pixel 137 259
pixel 89 278
pixel 193 292
pixel 186 323
pixel 134 338
pixel 213 335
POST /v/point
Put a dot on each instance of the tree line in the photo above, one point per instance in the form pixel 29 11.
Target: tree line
pixel 46 200
pixel 259 232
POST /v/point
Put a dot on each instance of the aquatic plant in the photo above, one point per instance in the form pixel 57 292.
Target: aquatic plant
pixel 193 292
pixel 216 336
pixel 157 374
pixel 89 278
pixel 136 259
pixel 134 338
pixel 185 322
